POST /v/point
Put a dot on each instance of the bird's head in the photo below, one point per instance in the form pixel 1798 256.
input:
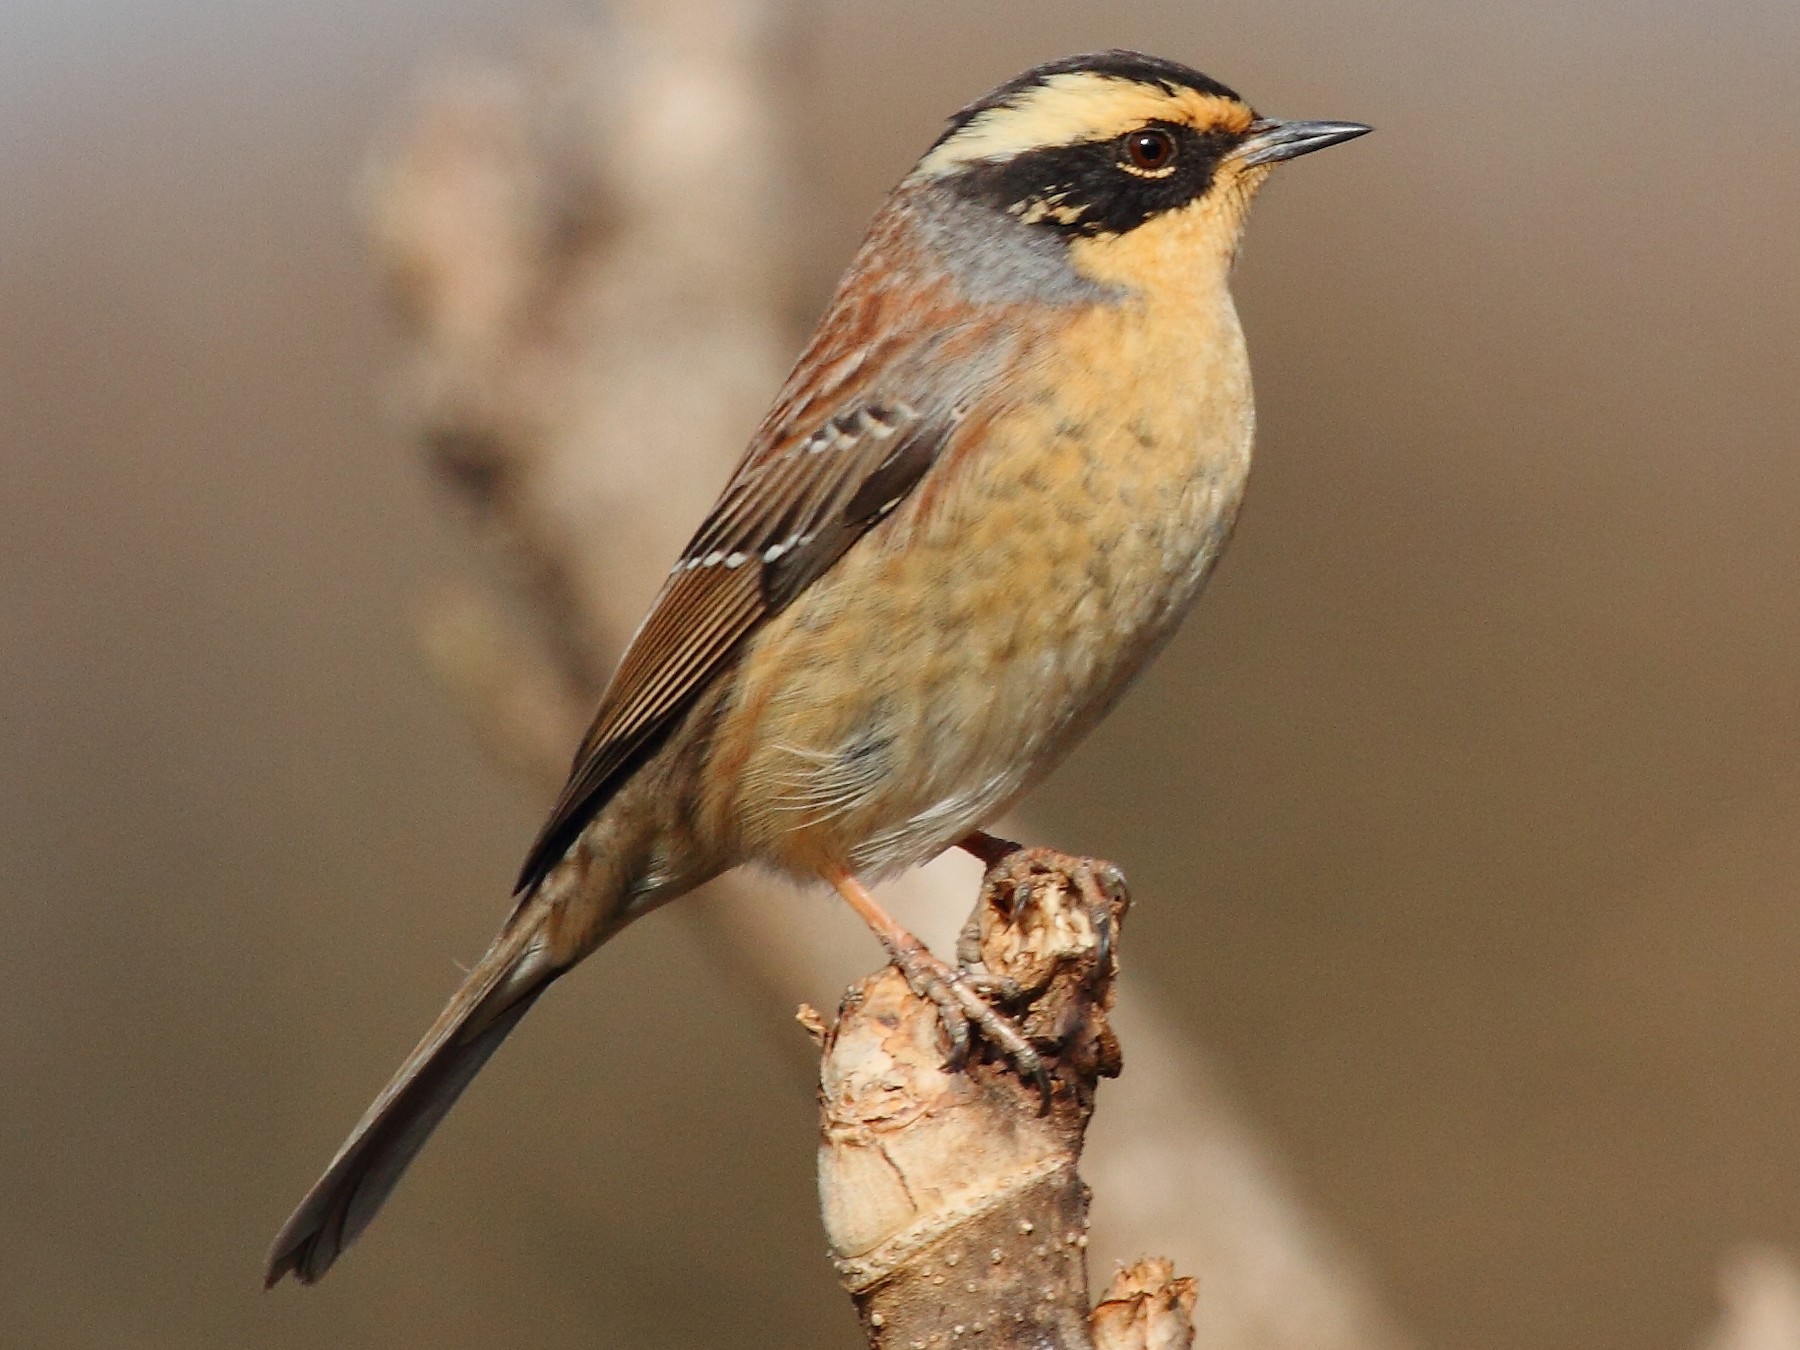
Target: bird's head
pixel 1135 164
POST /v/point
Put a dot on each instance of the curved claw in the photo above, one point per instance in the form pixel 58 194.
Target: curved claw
pixel 1103 936
pixel 1034 1070
pixel 956 1026
pixel 962 1010
pixel 1101 884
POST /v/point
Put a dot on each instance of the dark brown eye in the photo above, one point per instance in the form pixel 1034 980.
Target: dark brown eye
pixel 1150 150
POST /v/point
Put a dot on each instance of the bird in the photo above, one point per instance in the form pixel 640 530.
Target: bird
pixel 994 481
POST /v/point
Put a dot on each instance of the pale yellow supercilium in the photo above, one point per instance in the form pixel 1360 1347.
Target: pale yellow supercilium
pixel 1078 106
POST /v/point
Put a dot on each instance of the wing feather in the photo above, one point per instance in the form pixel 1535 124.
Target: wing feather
pixel 796 503
pixel 879 396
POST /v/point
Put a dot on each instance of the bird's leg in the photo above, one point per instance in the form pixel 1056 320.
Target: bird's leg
pixel 959 1006
pixel 990 848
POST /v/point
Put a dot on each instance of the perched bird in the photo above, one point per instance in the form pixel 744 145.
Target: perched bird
pixel 997 476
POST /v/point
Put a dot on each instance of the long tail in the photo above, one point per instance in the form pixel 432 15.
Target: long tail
pixel 497 993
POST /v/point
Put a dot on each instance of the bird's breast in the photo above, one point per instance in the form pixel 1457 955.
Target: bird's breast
pixel 956 652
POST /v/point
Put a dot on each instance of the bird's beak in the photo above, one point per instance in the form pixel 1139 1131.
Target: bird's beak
pixel 1270 140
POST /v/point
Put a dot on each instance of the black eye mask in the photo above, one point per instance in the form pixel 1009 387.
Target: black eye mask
pixel 1087 189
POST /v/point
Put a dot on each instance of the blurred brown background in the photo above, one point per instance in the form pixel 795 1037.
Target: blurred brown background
pixel 1464 818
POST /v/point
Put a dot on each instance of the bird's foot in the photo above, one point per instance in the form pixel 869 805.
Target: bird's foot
pixel 961 999
pixel 1013 873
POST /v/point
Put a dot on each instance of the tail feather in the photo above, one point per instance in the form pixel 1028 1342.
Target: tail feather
pixel 498 992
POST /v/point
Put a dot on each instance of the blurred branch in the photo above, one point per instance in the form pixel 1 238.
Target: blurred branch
pixel 588 260
pixel 1760 1290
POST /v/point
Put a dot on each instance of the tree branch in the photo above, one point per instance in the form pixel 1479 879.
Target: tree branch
pixel 1759 1288
pixel 951 1196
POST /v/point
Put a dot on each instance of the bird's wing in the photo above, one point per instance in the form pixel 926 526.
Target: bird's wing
pixel 855 429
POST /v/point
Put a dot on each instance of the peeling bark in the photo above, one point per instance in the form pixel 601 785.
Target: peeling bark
pixel 1147 1308
pixel 951 1195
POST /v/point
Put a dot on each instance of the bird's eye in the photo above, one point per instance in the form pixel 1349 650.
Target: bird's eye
pixel 1149 151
